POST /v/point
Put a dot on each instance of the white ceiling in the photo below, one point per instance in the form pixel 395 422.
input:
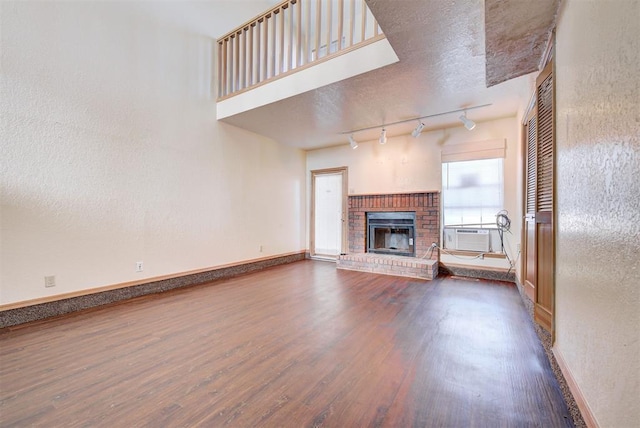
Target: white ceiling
pixel 444 66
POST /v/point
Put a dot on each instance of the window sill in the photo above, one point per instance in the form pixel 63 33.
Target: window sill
pixel 475 254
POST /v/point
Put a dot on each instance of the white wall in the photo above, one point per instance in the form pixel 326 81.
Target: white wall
pixel 111 152
pixel 598 201
pixel 407 164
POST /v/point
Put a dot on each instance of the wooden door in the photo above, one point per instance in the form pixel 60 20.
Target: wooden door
pixel 544 225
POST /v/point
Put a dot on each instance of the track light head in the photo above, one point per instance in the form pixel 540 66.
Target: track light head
pixel 418 130
pixel 468 123
pixel 383 136
pixel 353 143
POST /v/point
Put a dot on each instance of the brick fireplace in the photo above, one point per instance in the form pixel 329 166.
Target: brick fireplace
pixel 425 205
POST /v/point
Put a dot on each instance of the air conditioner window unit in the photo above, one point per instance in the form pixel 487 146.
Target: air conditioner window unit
pixel 471 239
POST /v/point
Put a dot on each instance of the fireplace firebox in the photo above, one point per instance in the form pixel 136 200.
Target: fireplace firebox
pixel 391 233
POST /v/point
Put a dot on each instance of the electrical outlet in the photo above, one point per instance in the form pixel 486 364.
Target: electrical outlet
pixel 261 248
pixel 139 266
pixel 50 281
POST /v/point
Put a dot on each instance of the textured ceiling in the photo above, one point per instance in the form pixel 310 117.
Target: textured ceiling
pixel 516 36
pixel 441 47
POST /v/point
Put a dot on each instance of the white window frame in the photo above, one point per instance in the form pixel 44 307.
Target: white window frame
pixel 486 193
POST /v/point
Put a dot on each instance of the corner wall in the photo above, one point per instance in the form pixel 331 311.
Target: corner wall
pixel 111 153
pixel 406 164
pixel 598 204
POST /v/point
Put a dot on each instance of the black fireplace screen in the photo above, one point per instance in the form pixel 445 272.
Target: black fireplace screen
pixel 391 233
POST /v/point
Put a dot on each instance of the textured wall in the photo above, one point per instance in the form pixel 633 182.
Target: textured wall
pixel 407 164
pixel 111 153
pixel 598 201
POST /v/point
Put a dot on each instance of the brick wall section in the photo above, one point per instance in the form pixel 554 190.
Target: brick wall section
pixel 426 205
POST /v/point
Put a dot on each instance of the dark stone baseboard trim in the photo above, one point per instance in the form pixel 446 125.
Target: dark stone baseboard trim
pixel 12 317
pixel 545 339
pixel 478 272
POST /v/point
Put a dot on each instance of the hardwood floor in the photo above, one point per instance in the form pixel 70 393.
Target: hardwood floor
pixel 296 345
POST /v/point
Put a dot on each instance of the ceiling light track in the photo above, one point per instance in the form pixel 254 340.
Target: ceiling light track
pixel 386 125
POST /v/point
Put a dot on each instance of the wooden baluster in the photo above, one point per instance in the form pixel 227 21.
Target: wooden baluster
pixel 329 29
pixel 318 28
pixel 248 71
pixel 258 50
pixel 299 34
pixel 220 66
pixel 242 58
pixel 284 45
pixel 352 20
pixel 276 17
pixel 273 45
pixel 225 70
pixel 307 34
pixel 250 65
pixel 291 41
pixel 230 64
pixel 229 55
pixel 340 24
pixel 364 21
pixel 237 62
pixel 232 43
pixel 281 40
pixel 248 35
pixel 265 49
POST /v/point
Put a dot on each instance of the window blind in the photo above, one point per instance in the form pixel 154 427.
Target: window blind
pixel 489 149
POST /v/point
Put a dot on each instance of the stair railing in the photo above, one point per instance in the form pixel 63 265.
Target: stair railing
pixel 290 37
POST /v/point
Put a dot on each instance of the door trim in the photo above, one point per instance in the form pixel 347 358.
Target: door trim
pixel 345 226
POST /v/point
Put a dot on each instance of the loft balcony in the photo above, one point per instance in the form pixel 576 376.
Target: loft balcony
pixel 295 47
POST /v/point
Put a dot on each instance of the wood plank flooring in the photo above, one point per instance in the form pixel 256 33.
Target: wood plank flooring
pixel 299 345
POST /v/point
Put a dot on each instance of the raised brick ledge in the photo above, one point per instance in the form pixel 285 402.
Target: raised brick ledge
pixel 411 267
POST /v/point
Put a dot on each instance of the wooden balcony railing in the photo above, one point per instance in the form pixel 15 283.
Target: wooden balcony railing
pixel 289 37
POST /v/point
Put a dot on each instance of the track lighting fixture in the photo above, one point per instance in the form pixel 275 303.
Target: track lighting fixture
pixel 383 136
pixel 353 143
pixel 418 130
pixel 468 123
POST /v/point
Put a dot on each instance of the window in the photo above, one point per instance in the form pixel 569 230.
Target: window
pixel 472 192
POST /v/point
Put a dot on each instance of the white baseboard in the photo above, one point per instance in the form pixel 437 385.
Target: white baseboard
pixel 581 402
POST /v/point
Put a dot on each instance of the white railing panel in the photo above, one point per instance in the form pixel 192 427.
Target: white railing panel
pixel 291 36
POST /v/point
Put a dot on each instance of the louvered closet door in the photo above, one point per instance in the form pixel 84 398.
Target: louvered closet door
pixel 544 275
pixel 529 255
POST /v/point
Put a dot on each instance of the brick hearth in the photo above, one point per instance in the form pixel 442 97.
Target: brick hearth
pixel 412 267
